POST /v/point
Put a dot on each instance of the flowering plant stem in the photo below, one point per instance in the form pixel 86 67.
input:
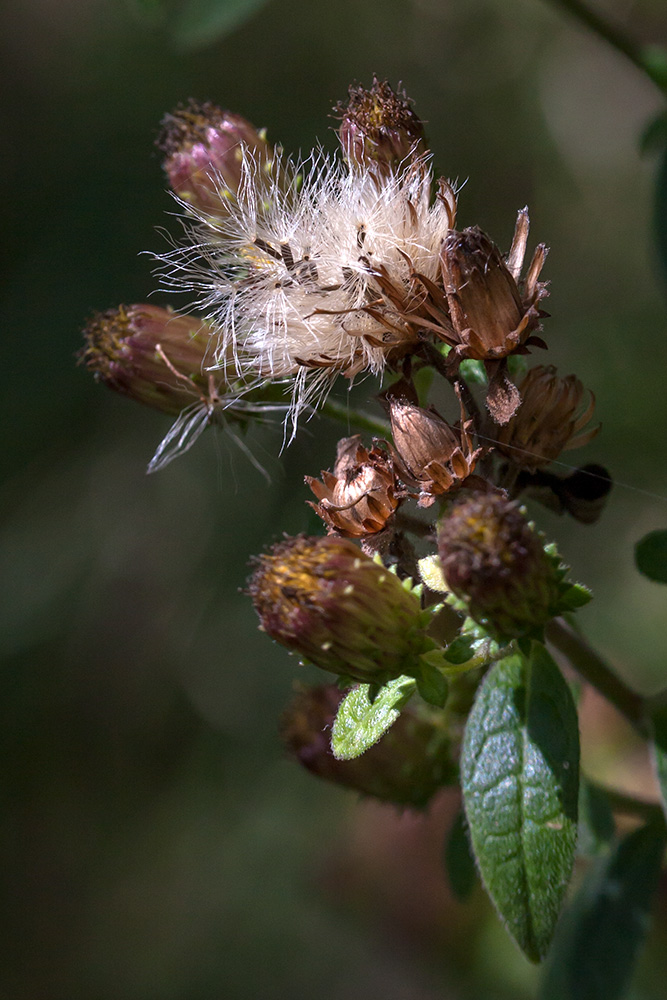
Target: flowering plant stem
pixel 357 418
pixel 593 669
pixel 651 60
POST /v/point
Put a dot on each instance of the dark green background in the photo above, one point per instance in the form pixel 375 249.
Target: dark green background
pixel 155 843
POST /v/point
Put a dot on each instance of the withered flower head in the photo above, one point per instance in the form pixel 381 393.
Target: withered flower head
pixel 431 455
pixel 495 562
pixel 493 313
pixel 338 608
pixel 204 149
pixel 551 419
pixel 409 764
pixel 150 354
pixel 358 498
pixel 379 129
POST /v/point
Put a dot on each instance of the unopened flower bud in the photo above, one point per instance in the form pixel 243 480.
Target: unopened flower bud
pixel 325 600
pixel 379 129
pixel 551 419
pixel 204 148
pixel 407 767
pixel 358 498
pixel 150 354
pixel 494 561
pixel 432 456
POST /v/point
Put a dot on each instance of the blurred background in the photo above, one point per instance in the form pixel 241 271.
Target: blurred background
pixel 156 844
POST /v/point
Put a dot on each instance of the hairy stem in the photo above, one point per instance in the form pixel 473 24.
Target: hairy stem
pixel 651 60
pixel 593 669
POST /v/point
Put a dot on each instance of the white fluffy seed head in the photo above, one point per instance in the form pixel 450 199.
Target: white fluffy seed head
pixel 312 271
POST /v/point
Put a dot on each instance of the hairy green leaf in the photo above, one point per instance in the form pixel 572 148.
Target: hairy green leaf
pixel 651 556
pixel 361 722
pixel 598 939
pixel 459 862
pixel 520 771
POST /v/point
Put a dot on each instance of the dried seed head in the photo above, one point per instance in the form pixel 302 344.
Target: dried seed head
pixel 333 605
pixel 150 354
pixel 204 148
pixel 431 455
pixel 492 314
pixel 379 129
pixel 359 497
pixel 551 419
pixel 409 764
pixel 495 562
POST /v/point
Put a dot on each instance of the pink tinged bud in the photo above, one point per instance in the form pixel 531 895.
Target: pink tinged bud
pixel 379 129
pixel 204 149
pixel 152 355
pixel 333 605
pixel 494 561
pixel 410 763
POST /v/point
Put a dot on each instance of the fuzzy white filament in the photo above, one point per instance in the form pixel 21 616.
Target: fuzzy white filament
pixel 314 270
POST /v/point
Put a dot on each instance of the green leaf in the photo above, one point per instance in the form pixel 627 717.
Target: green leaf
pixel 659 751
pixel 360 723
pixel 202 22
pixel 574 597
pixel 598 939
pixel 596 821
pixel 431 683
pixel 651 553
pixel 474 372
pixel 660 213
pixel 459 862
pixel 520 773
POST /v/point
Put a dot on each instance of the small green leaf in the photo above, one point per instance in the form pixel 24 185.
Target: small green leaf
pixel 651 556
pixel 654 136
pixel 202 22
pixel 574 597
pixel 459 862
pixel 360 723
pixel 431 683
pixel 596 821
pixel 659 752
pixel 520 773
pixel 517 365
pixel 474 372
pixel 599 937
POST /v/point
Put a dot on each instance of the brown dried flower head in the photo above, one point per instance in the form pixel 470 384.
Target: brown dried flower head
pixel 379 129
pixel 551 419
pixel 493 314
pixel 430 455
pixel 204 148
pixel 359 497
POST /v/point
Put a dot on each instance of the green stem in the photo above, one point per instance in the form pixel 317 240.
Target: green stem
pixel 593 669
pixel 651 60
pixel 357 418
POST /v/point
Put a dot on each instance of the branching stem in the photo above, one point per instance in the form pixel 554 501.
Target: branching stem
pixel 593 669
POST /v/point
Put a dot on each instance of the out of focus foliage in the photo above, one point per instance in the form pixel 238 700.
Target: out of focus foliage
pixel 156 844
